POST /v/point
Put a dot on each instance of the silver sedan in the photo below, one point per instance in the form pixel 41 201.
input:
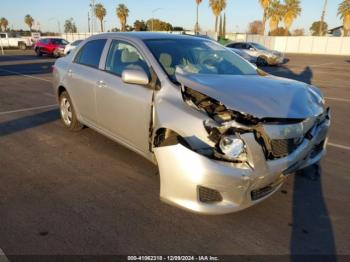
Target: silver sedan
pixel 224 134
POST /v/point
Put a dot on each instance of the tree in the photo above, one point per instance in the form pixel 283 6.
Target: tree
pixel 29 21
pixel 344 13
pixel 122 13
pixel 298 32
pixel 291 10
pixel 275 14
pixel 217 7
pixel 69 26
pixel 140 25
pixel 100 13
pixel 196 27
pixel 159 25
pixel 4 23
pixel 315 28
pixel 220 27
pixel 265 6
pixel 256 27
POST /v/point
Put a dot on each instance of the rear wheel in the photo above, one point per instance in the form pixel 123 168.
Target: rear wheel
pixel 38 52
pixel 68 116
pixel 22 46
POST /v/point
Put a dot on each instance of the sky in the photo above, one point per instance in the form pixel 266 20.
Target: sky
pixel 178 12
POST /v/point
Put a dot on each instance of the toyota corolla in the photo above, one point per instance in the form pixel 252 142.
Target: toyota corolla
pixel 224 134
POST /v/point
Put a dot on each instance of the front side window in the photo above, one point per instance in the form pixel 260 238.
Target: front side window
pixel 197 56
pixel 90 53
pixel 58 41
pixel 122 56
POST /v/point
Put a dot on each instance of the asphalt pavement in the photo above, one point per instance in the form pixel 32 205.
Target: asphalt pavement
pixel 80 193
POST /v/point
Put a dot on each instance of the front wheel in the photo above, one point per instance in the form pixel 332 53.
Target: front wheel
pixel 67 112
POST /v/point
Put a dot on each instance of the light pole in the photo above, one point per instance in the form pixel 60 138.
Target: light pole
pixel 153 11
pixel 92 19
pixel 322 18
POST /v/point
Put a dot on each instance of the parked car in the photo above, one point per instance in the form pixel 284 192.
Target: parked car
pixel 224 134
pixel 244 55
pixel 13 40
pixel 263 55
pixel 50 46
pixel 71 46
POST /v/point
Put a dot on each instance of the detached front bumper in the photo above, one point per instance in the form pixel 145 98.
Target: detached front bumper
pixel 185 174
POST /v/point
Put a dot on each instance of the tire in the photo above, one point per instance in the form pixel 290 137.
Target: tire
pixel 55 53
pixel 261 61
pixel 22 46
pixel 38 52
pixel 67 112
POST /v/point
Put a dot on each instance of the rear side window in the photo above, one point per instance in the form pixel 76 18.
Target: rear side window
pixel 90 53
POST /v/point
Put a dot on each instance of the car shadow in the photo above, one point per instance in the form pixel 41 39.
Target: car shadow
pixel 282 71
pixel 27 69
pixel 312 230
pixel 27 122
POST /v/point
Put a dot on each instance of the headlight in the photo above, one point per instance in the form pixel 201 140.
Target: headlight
pixel 233 148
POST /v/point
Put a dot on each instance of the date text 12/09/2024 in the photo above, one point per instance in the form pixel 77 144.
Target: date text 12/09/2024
pixel 173 258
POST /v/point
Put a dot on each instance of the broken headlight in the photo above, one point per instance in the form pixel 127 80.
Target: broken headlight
pixel 232 148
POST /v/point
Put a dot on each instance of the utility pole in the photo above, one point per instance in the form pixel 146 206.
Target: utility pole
pixel 322 18
pixel 89 22
pixel 92 6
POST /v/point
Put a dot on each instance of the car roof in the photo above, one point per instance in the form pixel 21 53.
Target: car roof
pixel 148 35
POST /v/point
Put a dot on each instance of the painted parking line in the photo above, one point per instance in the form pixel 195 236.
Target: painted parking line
pixel 3 257
pixel 338 99
pixel 339 146
pixel 33 77
pixel 27 109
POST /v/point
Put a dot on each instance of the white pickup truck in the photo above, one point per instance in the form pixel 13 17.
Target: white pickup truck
pixel 10 40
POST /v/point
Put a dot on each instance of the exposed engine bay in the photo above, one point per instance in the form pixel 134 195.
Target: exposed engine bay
pixel 229 124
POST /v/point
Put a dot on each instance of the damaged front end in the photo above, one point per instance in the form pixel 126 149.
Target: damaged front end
pixel 245 158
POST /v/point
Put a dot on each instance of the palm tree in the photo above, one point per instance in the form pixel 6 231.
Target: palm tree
pixel 122 13
pixel 196 28
pixel 4 23
pixel 265 6
pixel 217 6
pixel 275 14
pixel 291 10
pixel 29 21
pixel 100 13
pixel 344 13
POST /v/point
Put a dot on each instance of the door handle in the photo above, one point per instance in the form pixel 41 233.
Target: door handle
pixel 101 84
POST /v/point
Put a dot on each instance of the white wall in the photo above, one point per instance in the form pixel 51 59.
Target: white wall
pixel 326 45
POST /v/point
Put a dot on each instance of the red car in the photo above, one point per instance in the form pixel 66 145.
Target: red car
pixel 50 46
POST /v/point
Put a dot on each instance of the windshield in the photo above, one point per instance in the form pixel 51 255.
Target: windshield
pixel 197 56
pixel 57 41
pixel 260 47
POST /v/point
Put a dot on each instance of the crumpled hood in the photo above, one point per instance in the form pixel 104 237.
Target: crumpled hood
pixel 259 96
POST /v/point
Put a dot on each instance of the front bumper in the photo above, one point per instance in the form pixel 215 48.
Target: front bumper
pixel 183 172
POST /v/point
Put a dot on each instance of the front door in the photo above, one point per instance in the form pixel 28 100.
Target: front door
pixel 124 110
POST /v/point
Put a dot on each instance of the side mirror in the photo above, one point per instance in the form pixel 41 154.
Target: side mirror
pixel 135 76
pixel 252 49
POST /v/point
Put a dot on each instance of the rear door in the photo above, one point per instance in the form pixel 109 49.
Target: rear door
pixel 124 110
pixel 82 79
